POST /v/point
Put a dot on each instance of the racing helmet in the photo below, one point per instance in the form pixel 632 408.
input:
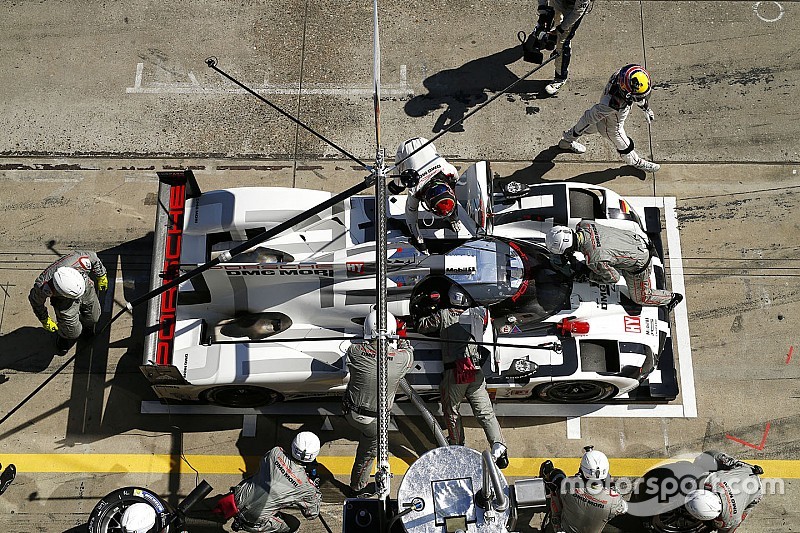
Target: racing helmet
pixel 371 324
pixel 594 464
pixel 68 282
pixel 305 447
pixel 457 297
pixel 635 83
pixel 558 240
pixel 417 161
pixel 703 504
pixel 440 199
pixel 138 518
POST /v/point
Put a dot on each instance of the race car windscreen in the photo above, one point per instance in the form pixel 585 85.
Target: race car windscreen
pixel 513 278
pixel 542 292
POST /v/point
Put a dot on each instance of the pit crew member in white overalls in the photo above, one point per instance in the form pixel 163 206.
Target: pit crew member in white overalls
pixel 360 400
pixel 281 482
pixel 611 253
pixel 68 285
pixel 728 494
pixel 463 377
pixel 630 84
pixel 583 503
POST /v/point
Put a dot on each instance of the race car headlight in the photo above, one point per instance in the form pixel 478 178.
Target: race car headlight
pixel 521 368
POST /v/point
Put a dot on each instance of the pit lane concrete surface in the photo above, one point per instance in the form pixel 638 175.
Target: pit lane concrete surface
pixel 98 96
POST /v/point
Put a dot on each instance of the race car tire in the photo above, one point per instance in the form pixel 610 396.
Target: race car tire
pixel 106 517
pixel 240 396
pixel 576 391
pixel 672 521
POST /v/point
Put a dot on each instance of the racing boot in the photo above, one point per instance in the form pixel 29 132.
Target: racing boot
pixel 676 299
pixel 555 86
pixel 63 345
pixel 572 146
pixel 647 166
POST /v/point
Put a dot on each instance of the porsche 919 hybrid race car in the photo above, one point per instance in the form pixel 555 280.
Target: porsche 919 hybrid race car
pixel 274 323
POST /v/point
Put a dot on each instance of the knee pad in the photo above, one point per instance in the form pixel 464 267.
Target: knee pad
pixel 627 150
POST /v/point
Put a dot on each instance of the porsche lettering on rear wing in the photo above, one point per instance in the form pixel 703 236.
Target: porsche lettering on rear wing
pixel 173 190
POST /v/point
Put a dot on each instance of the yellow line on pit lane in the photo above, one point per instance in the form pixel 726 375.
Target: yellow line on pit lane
pixel 337 465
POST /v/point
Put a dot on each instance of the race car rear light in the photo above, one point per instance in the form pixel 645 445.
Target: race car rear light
pixel 572 327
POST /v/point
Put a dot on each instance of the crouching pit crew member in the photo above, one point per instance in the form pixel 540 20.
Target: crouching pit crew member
pixel 583 503
pixel 612 253
pixel 281 482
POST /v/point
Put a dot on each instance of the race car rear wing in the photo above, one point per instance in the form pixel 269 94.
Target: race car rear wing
pixel 173 190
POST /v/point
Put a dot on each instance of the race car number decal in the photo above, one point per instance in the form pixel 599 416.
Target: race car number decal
pixel 633 324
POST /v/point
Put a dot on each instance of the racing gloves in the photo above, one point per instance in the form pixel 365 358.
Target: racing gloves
pixel 648 114
pixel 102 283
pixel 49 325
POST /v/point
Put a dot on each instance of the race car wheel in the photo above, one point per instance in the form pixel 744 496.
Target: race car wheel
pixel 677 521
pixel 106 517
pixel 574 391
pixel 240 396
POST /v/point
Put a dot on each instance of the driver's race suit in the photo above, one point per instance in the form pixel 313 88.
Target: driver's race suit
pixel 361 399
pixel 611 252
pixel 280 483
pixel 580 506
pixel 739 489
pixel 71 315
pixel 445 322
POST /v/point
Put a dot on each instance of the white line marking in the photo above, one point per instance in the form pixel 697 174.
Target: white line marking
pixel 249 423
pixel 776 19
pixel 194 87
pixel 574 428
pixel 680 313
pixel 137 83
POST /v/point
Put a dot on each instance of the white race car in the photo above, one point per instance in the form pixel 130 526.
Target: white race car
pixel 274 323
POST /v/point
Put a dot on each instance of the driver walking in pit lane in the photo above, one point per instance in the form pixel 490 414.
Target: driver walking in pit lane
pixel 583 503
pixel 611 253
pixel 630 84
pixel 727 494
pixel 281 482
pixel 430 180
pixel 360 400
pixel 463 377
pixel 68 285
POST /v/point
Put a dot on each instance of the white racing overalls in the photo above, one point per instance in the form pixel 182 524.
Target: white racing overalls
pixel 280 483
pixel 612 252
pixel 445 322
pixel 568 16
pixel 71 315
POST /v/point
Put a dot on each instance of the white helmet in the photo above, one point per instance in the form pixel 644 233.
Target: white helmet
pixel 594 464
pixel 138 518
pixel 457 296
pixel 69 283
pixel 305 447
pixel 703 504
pixel 418 160
pixel 371 324
pixel 558 240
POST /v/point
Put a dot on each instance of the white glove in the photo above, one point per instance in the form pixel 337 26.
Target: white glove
pixel 649 115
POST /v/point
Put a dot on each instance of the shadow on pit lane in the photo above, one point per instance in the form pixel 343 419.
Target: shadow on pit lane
pixel 27 349
pixel 544 163
pixel 460 89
